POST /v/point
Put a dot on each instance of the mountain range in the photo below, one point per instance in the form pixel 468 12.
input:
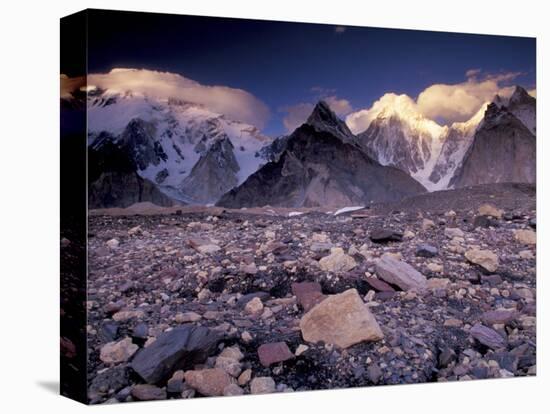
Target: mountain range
pixel 143 148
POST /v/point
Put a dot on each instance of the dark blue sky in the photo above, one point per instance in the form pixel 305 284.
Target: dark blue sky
pixel 280 62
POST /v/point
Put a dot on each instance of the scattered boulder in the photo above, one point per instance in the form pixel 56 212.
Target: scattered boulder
pixel 337 261
pixel 229 360
pixel 273 353
pixel 203 246
pixel 490 210
pixel 452 232
pixel 262 385
pixel 435 267
pixel 427 224
pixel 526 236
pixel 308 294
pixel 232 389
pixel 176 349
pixel 112 244
pixel 147 392
pixel 379 285
pixel 255 306
pixel 123 316
pixel 400 273
pixel 446 356
pixel 342 320
pixel 175 383
pixel 385 236
pixel 209 382
pixel 487 336
pixel 187 317
pixel 116 352
pixel 484 222
pixel 426 250
pixel 484 258
pixel 498 316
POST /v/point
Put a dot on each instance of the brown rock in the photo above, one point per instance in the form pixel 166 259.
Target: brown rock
pixel 273 353
pixel 308 294
pixel 209 382
pixel 262 385
pixel 342 319
pixel 498 316
pixel 379 285
pixel 484 258
pixel 337 261
pixel 116 352
pixel 146 392
pixel 526 236
pixel 490 210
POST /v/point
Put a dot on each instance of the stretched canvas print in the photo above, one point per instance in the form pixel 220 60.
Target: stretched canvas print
pixel 257 207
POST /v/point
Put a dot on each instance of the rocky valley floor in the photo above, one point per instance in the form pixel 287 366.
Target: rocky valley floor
pixel 210 302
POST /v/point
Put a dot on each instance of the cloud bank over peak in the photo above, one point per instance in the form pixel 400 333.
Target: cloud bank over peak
pixel 236 103
pixel 445 103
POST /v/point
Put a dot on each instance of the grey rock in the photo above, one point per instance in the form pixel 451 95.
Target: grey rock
pixel 426 250
pixel 176 349
pixel 385 236
pixel 487 336
pixel 400 273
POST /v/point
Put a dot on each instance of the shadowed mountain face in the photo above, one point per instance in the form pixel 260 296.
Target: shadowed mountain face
pixel 114 181
pixel 503 150
pixel 318 169
pixel 214 174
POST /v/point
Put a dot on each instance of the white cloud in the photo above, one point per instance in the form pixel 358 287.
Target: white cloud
pixel 460 101
pixel 237 104
pixel 472 73
pixel 443 102
pixel 296 115
pixel 340 107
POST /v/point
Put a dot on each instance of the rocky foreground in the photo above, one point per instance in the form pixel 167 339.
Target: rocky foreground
pixel 230 302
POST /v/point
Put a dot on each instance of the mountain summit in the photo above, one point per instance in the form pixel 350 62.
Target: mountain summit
pixel 322 118
pixel 321 165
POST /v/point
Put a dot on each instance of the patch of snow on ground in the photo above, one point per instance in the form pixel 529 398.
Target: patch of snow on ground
pixel 348 209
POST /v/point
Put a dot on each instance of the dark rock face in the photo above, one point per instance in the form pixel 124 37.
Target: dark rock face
pixel 214 174
pixel 319 169
pixel 175 349
pixel 138 139
pixel 503 150
pixel 524 107
pixel 323 119
pixel 114 181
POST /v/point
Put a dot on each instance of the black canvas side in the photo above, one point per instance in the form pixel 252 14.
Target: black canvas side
pixel 73 44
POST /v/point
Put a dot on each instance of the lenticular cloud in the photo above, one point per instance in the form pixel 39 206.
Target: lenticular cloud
pixel 235 103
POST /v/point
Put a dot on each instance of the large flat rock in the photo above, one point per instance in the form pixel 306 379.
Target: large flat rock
pixel 342 320
pixel 400 273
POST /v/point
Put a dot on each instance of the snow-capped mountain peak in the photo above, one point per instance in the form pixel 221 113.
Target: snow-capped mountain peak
pixel 173 136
